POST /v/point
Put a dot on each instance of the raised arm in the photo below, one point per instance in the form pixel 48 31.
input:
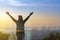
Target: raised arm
pixel 11 17
pixel 28 17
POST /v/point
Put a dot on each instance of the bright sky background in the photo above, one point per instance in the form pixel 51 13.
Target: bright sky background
pixel 46 12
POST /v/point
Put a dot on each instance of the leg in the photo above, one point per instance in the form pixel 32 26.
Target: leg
pixel 23 35
pixel 19 36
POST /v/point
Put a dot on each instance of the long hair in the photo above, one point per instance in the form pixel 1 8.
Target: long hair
pixel 20 18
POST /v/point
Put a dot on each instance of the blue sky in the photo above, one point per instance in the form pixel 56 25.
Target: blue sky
pixel 46 12
pixel 43 4
pixel 41 8
pixel 31 2
pixel 38 2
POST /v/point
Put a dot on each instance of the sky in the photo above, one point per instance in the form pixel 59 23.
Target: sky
pixel 46 12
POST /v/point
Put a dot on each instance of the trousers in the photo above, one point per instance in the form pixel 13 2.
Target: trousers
pixel 20 35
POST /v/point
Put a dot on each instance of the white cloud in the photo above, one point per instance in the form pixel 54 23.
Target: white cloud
pixel 15 3
pixel 2 1
pixel 20 3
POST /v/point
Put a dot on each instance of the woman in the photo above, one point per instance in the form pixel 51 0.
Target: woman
pixel 20 25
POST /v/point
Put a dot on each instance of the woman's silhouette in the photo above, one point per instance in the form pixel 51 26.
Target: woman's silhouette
pixel 20 25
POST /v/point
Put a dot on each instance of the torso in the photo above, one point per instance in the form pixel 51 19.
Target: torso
pixel 20 25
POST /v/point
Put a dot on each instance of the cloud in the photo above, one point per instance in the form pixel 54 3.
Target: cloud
pixel 15 3
pixel 20 3
pixel 2 1
pixel 27 3
pixel 12 2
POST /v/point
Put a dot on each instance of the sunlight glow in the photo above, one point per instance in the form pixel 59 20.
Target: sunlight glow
pixel 5 21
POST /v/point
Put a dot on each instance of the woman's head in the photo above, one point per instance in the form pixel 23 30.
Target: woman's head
pixel 20 17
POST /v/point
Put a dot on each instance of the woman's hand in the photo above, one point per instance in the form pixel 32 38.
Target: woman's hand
pixel 7 13
pixel 31 13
